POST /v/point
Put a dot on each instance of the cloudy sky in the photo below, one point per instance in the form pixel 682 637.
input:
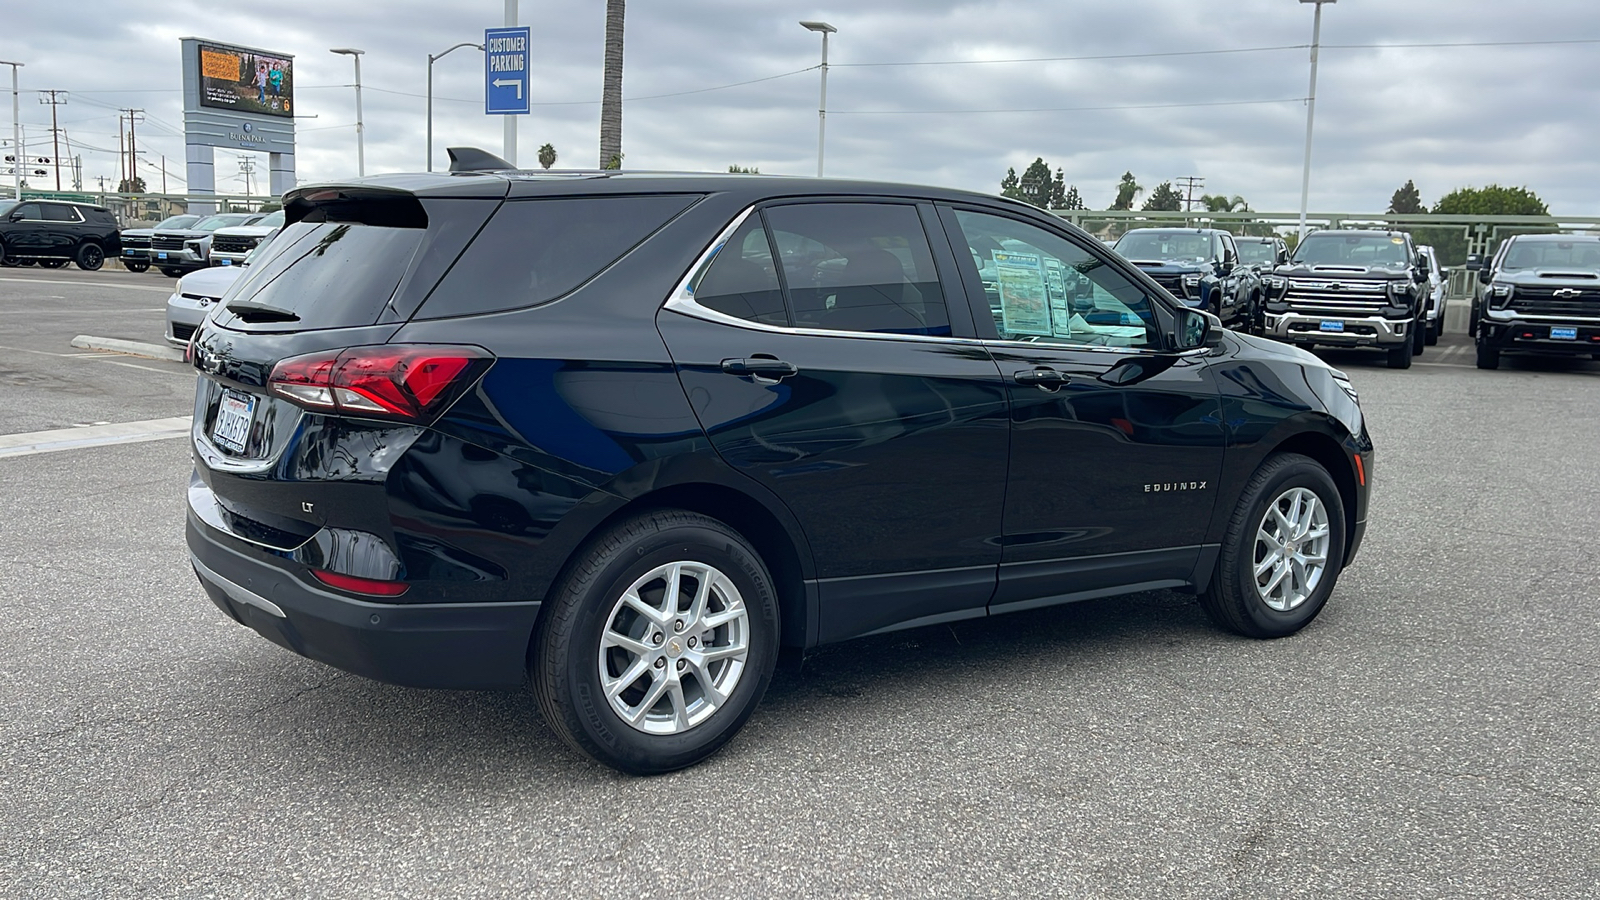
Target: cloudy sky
pixel 1445 92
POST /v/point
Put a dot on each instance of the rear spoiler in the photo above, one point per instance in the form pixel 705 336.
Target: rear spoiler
pixel 361 205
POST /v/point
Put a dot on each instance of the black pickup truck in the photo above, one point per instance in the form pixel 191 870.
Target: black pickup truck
pixel 1540 294
pixel 1351 289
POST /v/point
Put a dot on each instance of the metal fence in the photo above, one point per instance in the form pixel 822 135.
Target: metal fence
pixel 133 208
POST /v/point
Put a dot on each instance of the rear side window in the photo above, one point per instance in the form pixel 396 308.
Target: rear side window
pixel 743 281
pixel 328 274
pixel 534 251
pixel 55 212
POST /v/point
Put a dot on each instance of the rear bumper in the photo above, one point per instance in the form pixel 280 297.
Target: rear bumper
pixel 439 645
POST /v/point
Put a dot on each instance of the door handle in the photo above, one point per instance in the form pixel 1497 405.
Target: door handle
pixel 760 367
pixel 1042 377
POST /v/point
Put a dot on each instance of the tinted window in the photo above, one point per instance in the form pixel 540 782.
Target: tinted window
pixel 29 210
pixel 534 251
pixel 859 267
pixel 176 222
pixel 329 274
pixel 1044 288
pixel 56 212
pixel 743 280
pixel 1175 246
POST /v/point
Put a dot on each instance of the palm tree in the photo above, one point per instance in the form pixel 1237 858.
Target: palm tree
pixel 547 155
pixel 611 91
pixel 1223 204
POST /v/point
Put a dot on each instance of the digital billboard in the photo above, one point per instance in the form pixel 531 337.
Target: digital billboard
pixel 246 81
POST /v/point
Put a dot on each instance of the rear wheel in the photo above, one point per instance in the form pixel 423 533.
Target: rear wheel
pixel 1282 552
pixel 1488 357
pixel 657 646
pixel 90 257
pixel 1400 356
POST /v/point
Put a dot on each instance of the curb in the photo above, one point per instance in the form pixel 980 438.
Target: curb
pixel 132 348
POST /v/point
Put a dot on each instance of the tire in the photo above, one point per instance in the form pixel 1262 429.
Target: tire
pixel 172 273
pixel 569 651
pixel 1432 336
pixel 1400 355
pixel 52 263
pixel 1488 357
pixel 136 267
pixel 90 257
pixel 1236 599
pixel 1419 336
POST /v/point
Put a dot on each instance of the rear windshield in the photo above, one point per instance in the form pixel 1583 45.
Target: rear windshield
pixel 329 274
pixel 534 251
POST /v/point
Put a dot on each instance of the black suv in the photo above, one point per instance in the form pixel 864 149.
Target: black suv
pixel 1541 294
pixel 1199 266
pixel 633 434
pixel 1351 289
pixel 53 233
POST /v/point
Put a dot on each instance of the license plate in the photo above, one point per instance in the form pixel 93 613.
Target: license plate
pixel 232 427
pixel 161 256
pixel 130 253
pixel 226 262
pixel 1563 334
pixel 1330 325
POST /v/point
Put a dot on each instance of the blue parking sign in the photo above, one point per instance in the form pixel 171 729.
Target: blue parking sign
pixel 505 62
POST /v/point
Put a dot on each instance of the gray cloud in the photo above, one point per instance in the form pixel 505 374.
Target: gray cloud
pixel 1446 117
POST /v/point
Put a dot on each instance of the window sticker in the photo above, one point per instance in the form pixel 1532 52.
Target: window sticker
pixel 1024 293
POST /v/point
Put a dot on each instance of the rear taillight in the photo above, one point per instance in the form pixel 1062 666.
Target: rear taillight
pixel 404 381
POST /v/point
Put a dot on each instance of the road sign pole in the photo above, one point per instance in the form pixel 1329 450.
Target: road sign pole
pixel 510 154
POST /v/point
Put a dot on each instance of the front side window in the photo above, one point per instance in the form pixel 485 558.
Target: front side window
pixel 1043 288
pixel 28 211
pixel 862 267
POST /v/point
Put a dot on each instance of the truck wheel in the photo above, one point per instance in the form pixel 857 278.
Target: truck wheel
pixel 1282 552
pixel 659 643
pixel 136 266
pixel 1432 335
pixel 1488 357
pixel 1419 337
pixel 1400 356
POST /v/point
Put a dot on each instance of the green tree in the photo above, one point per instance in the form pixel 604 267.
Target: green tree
pixel 1164 199
pixel 547 155
pixel 1490 200
pixel 1035 184
pixel 1009 185
pixel 611 89
pixel 1222 203
pixel 1072 199
pixel 1407 200
pixel 133 185
pixel 1128 190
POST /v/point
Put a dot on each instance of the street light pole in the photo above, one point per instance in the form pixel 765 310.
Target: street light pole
pixel 16 132
pixel 1311 111
pixel 432 58
pixel 361 139
pixel 824 29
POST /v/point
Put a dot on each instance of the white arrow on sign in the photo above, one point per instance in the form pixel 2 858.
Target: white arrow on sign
pixel 503 82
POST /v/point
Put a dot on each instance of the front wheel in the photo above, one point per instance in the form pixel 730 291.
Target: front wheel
pixel 657 646
pixel 1431 336
pixel 1282 552
pixel 90 257
pixel 1419 336
pixel 1400 356
pixel 1488 357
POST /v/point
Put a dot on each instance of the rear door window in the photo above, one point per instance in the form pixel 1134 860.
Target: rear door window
pixel 57 212
pixel 743 280
pixel 535 251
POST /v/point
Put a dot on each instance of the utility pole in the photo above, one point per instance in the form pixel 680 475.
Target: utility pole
pixel 17 154
pixel 1190 182
pixel 56 99
pixel 133 150
pixel 247 168
pixel 122 155
pixel 1311 111
pixel 163 173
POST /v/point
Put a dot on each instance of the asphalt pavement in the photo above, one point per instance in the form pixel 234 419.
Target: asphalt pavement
pixel 1432 734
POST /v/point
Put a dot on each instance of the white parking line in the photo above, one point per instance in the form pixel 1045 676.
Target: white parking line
pixel 111 285
pixel 92 436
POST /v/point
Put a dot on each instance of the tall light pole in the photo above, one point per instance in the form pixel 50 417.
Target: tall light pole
pixel 1311 111
pixel 824 29
pixel 361 139
pixel 432 58
pixel 16 132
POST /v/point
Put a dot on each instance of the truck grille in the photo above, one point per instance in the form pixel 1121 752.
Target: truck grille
pixel 1337 297
pixel 135 242
pixel 165 242
pixel 227 244
pixel 1542 301
pixel 1173 284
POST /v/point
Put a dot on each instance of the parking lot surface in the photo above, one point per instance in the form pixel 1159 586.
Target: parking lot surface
pixel 1432 734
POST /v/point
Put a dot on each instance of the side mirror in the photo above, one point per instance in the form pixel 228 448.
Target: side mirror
pixel 1485 275
pixel 16 215
pixel 1474 262
pixel 1420 261
pixel 1193 327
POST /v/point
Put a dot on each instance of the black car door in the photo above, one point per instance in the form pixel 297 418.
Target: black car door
pixel 25 233
pixel 62 230
pixel 838 380
pixel 1116 443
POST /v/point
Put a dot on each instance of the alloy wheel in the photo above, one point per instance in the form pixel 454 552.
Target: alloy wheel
pixel 1291 549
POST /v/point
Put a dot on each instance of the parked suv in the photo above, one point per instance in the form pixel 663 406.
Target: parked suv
pixel 136 241
pixel 1351 289
pixel 56 232
pixel 1199 266
pixel 178 250
pixel 630 436
pixel 230 246
pixel 1540 294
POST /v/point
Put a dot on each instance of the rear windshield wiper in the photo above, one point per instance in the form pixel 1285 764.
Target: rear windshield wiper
pixel 261 312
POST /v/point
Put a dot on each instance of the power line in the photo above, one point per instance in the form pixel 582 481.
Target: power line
pixel 1045 109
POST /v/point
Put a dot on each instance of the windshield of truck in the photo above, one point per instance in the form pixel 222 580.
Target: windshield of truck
pixel 1367 250
pixel 1251 252
pixel 226 220
pixel 1580 255
pixel 1175 246
pixel 173 223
